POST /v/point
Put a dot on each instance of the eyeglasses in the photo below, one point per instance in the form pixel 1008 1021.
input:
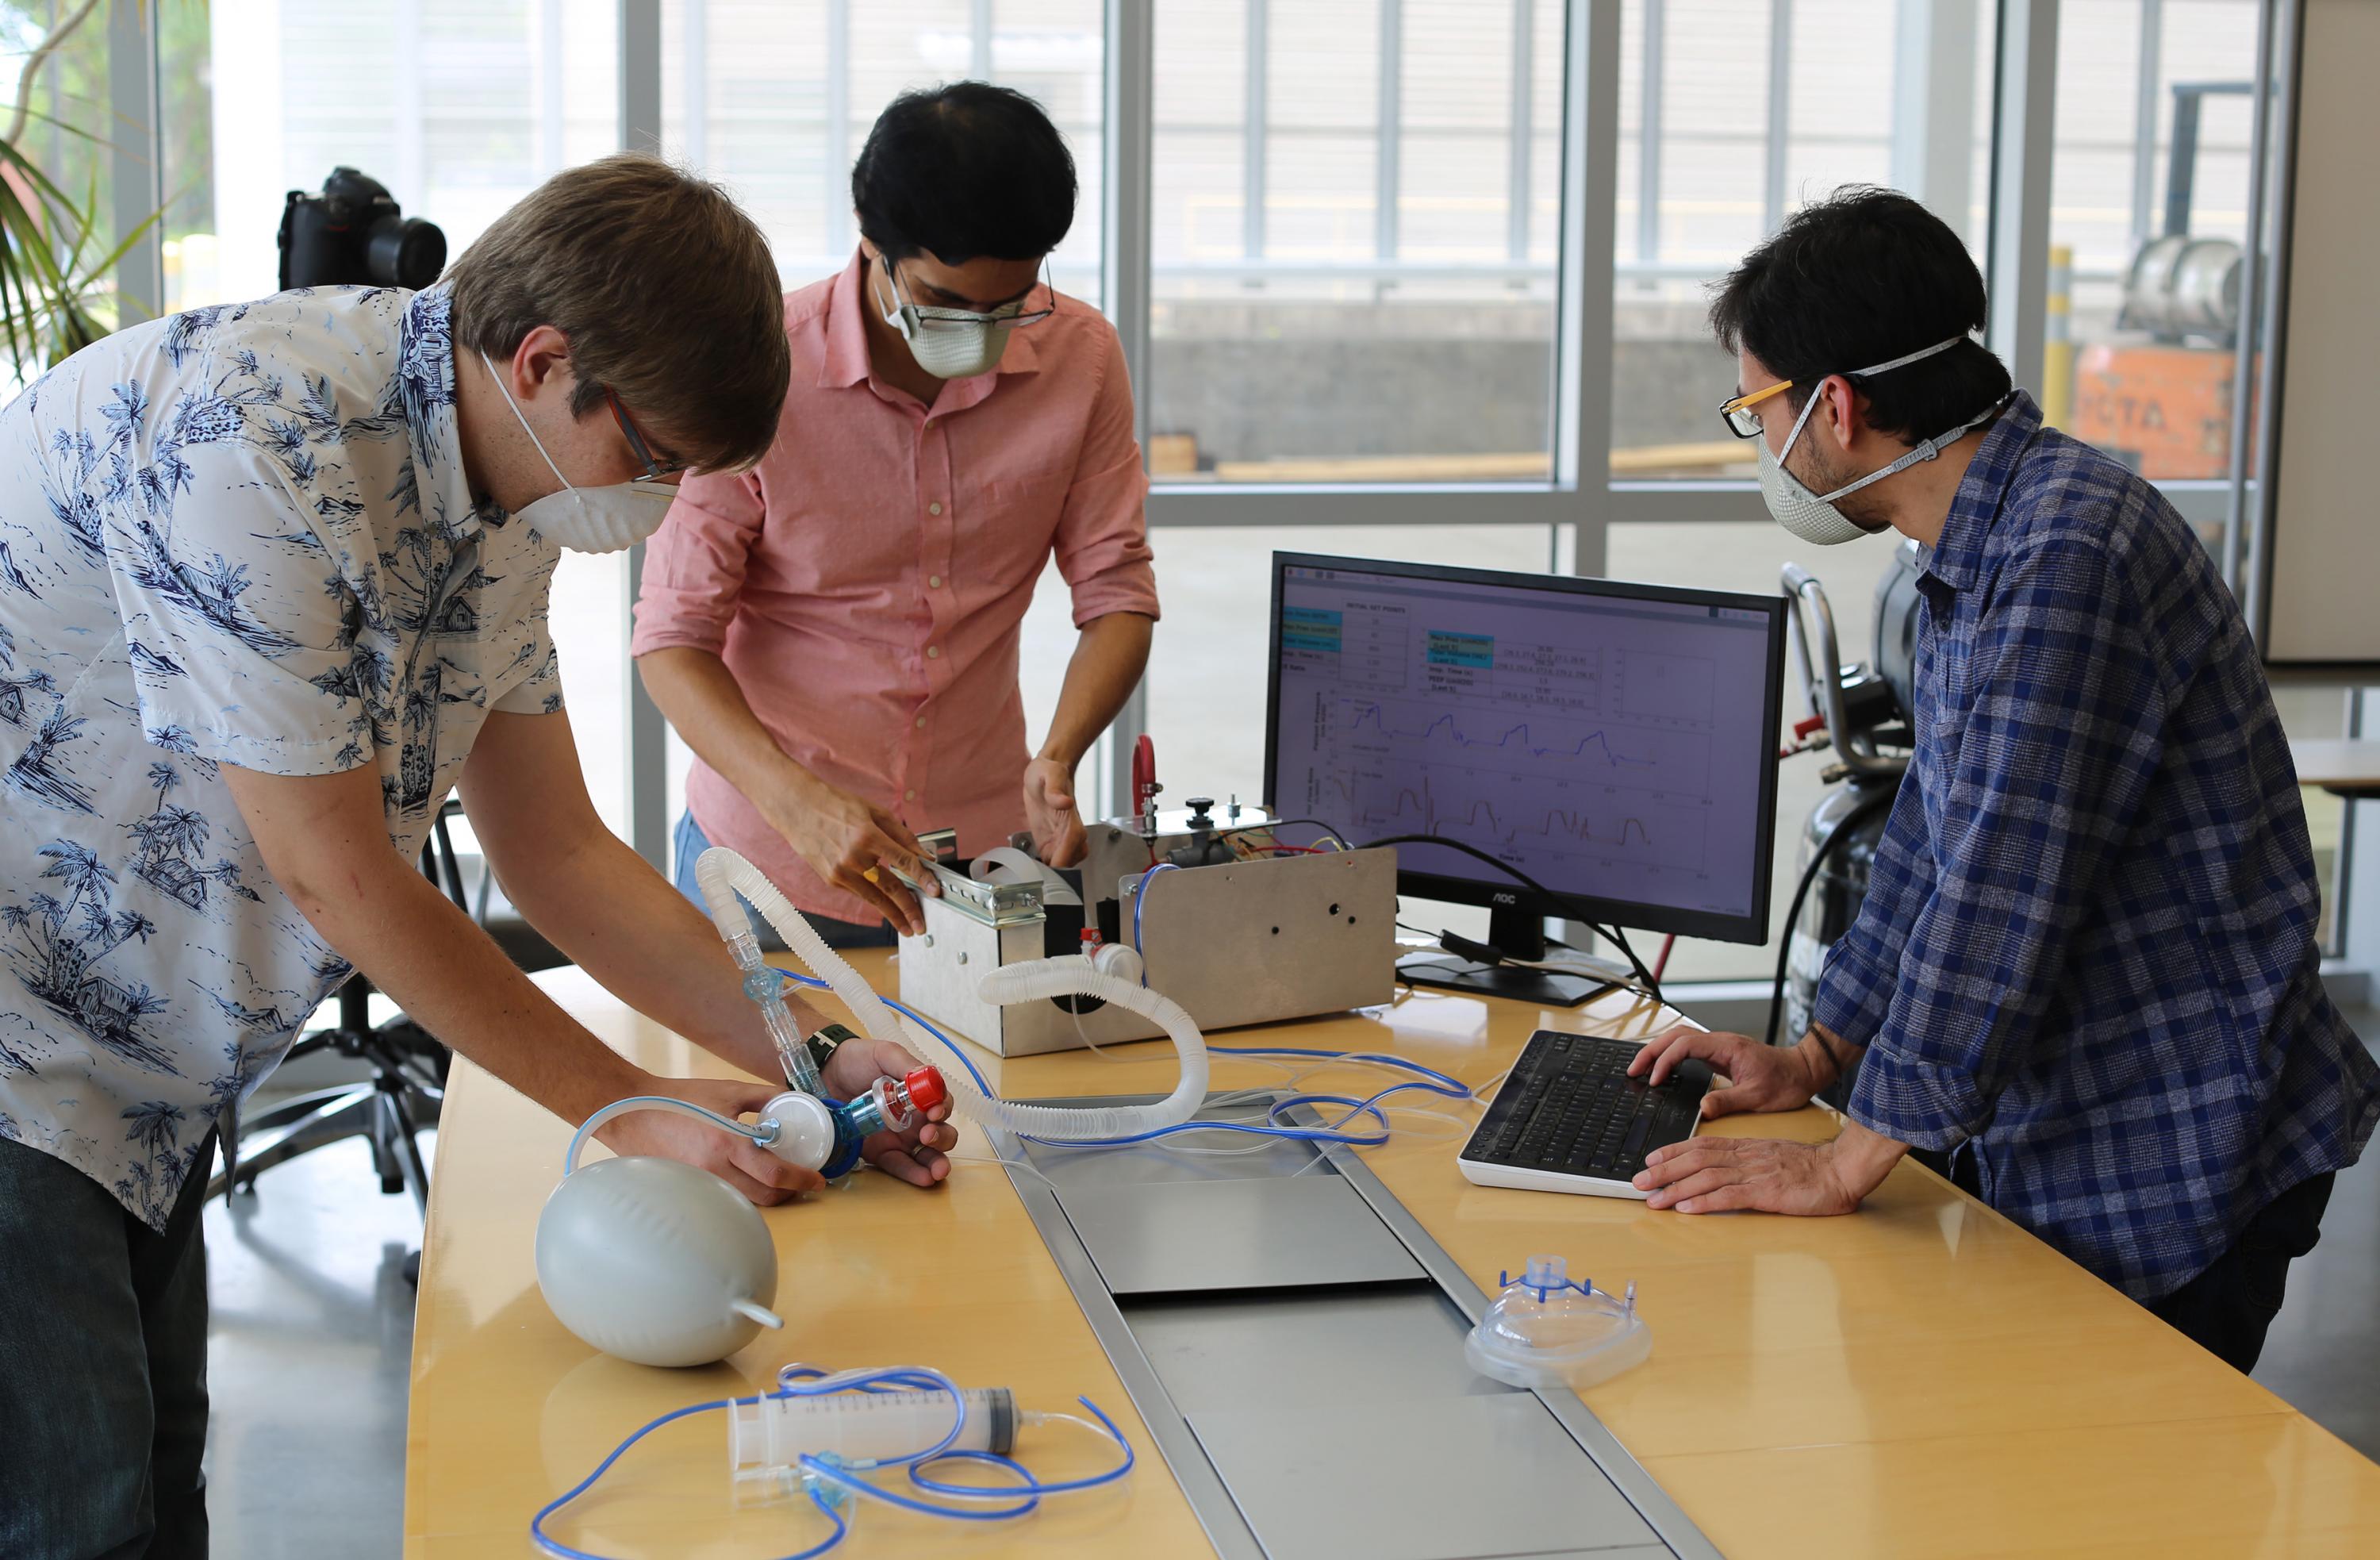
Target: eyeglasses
pixel 934 317
pixel 1737 413
pixel 659 473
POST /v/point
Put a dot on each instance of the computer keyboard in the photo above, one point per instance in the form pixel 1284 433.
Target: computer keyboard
pixel 1569 1118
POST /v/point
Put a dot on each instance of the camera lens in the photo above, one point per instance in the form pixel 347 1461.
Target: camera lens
pixel 404 251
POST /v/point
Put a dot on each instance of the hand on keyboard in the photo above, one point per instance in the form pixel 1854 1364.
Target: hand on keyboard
pixel 1761 1078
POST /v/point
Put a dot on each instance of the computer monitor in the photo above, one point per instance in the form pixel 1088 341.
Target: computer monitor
pixel 1617 743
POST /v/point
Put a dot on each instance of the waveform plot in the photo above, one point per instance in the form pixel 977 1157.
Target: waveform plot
pixel 1520 819
pixel 1675 764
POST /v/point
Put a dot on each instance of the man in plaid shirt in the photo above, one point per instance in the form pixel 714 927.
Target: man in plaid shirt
pixel 2085 967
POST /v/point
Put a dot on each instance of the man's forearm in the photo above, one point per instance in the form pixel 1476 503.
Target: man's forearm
pixel 1826 1057
pixel 703 700
pixel 1110 656
pixel 605 907
pixel 412 943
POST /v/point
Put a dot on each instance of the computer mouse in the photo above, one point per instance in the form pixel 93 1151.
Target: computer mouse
pixel 1693 1073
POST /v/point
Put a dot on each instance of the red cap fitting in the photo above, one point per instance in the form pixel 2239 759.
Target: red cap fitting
pixel 926 1089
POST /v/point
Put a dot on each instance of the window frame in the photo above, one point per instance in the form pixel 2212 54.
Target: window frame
pixel 1580 494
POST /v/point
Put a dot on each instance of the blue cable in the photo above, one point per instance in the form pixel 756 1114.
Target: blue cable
pixel 1455 1085
pixel 795 1381
pixel 1035 1485
pixel 556 1547
pixel 1139 898
pixel 1432 1080
pixel 814 983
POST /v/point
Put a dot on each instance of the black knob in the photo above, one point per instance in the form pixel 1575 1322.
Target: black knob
pixel 1200 807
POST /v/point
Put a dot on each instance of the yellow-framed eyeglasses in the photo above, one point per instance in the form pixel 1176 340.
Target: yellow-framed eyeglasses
pixel 1737 413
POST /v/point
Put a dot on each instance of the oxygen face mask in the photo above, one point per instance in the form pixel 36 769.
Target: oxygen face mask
pixel 1547 1330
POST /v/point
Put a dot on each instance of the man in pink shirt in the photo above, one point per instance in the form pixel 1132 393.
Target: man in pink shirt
pixel 835 631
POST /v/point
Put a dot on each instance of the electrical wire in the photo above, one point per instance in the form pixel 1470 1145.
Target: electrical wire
pixel 1336 839
pixel 821 1471
pixel 1140 897
pixel 555 1546
pixel 1577 906
pixel 1431 1080
pixel 1842 831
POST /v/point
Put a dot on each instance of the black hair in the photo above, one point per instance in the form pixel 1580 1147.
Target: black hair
pixel 1865 276
pixel 964 170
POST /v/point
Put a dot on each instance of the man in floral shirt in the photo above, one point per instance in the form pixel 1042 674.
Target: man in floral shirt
pixel 272 579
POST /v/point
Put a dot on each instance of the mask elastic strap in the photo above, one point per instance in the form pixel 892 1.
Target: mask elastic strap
pixel 533 439
pixel 897 316
pixel 1926 451
pixel 1903 362
pixel 1808 406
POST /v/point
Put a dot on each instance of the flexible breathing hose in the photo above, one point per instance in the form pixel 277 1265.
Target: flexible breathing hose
pixel 1037 982
pixel 723 874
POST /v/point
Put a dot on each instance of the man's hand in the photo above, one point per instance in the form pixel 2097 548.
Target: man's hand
pixel 1760 1078
pixel 740 1162
pixel 914 1157
pixel 846 840
pixel 1708 1175
pixel 1049 812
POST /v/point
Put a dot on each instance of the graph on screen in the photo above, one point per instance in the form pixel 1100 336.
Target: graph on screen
pixel 1599 745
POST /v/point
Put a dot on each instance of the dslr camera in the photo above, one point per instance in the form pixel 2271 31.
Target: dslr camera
pixel 353 233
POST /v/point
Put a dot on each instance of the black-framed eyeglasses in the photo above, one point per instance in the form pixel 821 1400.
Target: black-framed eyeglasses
pixel 1737 413
pixel 659 471
pixel 933 316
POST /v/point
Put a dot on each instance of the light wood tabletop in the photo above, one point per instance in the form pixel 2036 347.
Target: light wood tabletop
pixel 2347 768
pixel 1920 1378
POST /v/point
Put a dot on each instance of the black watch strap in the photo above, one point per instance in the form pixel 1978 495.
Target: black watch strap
pixel 825 1044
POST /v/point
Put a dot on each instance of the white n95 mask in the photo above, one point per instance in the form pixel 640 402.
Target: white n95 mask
pixel 1812 517
pixel 601 519
pixel 950 343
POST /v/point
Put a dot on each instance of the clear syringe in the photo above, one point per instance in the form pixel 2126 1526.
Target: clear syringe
pixel 768 1437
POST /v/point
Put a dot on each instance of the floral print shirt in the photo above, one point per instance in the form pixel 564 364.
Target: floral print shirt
pixel 238 535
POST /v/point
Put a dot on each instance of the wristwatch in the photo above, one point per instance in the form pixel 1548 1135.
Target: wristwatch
pixel 826 1041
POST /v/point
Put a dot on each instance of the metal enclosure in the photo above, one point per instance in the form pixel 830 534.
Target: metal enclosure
pixel 1242 943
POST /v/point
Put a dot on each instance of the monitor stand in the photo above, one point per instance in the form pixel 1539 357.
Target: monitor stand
pixel 1516 933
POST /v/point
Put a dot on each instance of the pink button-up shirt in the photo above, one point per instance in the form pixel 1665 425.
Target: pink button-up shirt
pixel 866 581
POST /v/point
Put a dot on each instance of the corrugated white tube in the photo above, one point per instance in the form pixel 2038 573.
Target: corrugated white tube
pixel 1049 977
pixel 722 874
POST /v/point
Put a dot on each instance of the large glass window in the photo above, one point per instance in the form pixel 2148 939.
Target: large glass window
pixel 774 98
pixel 775 101
pixel 1729 121
pixel 1355 219
pixel 460 109
pixel 2149 209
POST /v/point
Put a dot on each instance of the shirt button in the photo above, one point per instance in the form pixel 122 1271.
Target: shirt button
pixel 908 796
pixel 921 722
pixel 934 508
pixel 934 651
pixel 933 582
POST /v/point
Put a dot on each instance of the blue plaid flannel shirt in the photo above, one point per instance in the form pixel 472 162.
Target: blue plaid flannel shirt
pixel 2087 953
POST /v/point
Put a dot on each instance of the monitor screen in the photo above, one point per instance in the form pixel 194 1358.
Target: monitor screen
pixel 1617 743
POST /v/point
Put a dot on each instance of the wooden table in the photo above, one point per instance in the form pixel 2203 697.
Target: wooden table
pixel 1922 1378
pixel 2349 769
